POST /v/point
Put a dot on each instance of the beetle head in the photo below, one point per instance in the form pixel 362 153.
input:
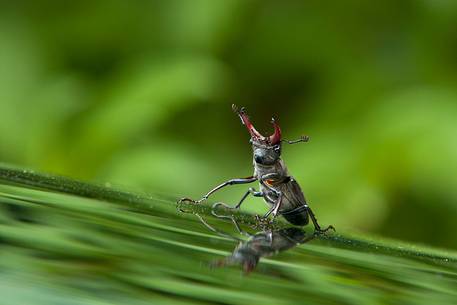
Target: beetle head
pixel 267 150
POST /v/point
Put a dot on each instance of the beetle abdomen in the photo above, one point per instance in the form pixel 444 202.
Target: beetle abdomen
pixel 297 216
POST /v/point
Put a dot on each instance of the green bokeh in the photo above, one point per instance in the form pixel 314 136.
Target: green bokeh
pixel 138 94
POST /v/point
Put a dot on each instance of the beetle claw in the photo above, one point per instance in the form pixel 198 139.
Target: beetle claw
pixel 323 231
pixel 192 201
pixel 185 199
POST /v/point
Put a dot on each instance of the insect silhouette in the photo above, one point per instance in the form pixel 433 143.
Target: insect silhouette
pixel 279 190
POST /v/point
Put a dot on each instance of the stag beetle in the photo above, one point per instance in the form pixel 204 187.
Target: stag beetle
pixel 280 190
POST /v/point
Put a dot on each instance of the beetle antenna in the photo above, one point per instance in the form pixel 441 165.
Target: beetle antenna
pixel 302 139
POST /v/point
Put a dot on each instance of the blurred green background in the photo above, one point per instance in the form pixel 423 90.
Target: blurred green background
pixel 139 94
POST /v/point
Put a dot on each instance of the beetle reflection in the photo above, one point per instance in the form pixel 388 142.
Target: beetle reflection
pixel 264 243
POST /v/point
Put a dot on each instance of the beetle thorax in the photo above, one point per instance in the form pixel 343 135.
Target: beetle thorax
pixel 278 167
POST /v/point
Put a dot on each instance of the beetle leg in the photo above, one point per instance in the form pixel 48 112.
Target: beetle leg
pixel 275 208
pixel 268 213
pixel 317 227
pixel 270 176
pixel 251 191
pixel 211 228
pixel 230 182
pixel 278 205
pixel 269 187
